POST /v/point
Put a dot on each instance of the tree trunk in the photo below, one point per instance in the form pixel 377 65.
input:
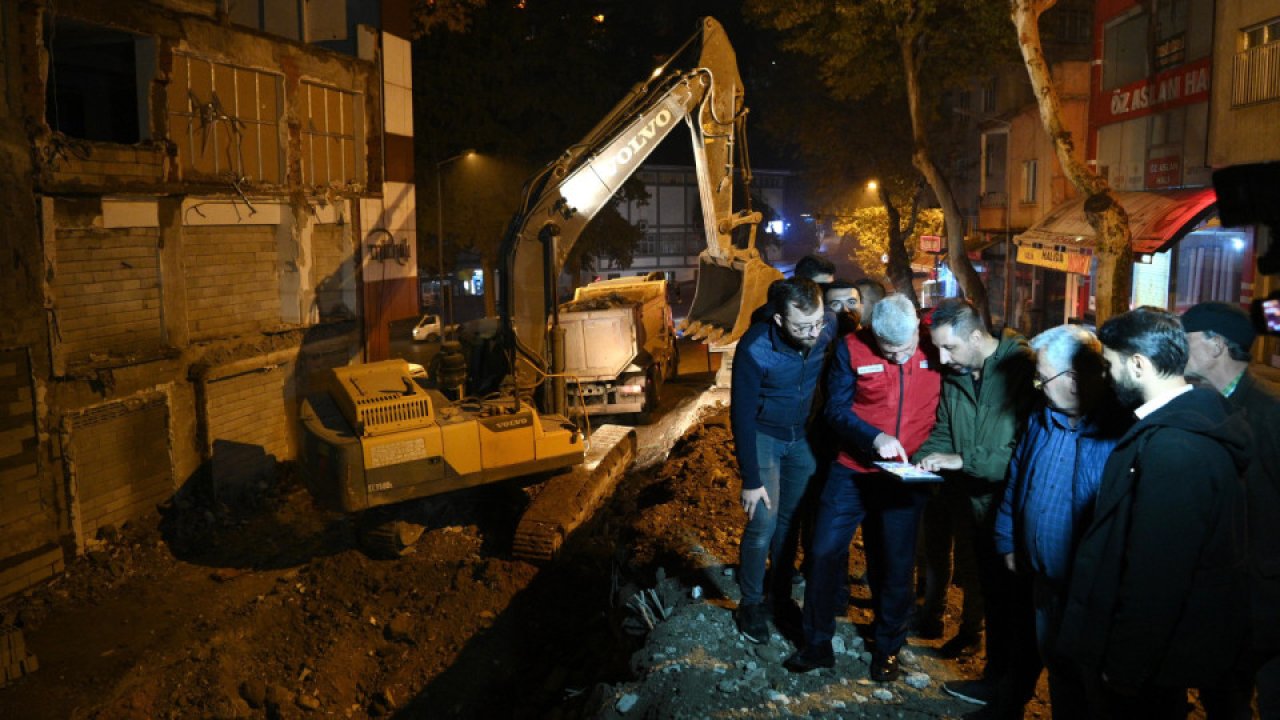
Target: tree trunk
pixel 899 266
pixel 1106 216
pixel 957 257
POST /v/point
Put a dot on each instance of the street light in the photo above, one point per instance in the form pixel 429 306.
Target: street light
pixel 440 228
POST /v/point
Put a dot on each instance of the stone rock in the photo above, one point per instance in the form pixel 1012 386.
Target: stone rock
pixel 626 702
pixel 882 695
pixel 400 629
pixel 837 645
pixel 918 680
pixel 308 702
pixel 254 692
pixel 277 697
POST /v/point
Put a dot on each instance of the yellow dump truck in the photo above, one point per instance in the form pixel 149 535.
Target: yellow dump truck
pixel 620 346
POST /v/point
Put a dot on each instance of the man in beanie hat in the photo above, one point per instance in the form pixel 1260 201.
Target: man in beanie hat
pixel 1219 336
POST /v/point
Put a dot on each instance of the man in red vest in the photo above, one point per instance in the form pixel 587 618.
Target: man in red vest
pixel 882 397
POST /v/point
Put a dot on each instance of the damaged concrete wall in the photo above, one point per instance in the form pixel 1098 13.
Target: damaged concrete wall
pixel 169 297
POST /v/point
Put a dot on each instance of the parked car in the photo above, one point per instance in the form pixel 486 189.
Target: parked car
pixel 428 329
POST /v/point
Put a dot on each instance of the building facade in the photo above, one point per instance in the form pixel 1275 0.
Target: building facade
pixel 674 232
pixel 206 201
pixel 1178 88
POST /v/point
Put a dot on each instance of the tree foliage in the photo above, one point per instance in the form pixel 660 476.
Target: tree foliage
pixel 870 225
pixel 907 49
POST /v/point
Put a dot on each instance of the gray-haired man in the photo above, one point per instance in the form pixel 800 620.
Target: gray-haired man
pixel 882 397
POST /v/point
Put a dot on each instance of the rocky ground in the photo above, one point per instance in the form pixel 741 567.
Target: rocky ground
pixel 273 611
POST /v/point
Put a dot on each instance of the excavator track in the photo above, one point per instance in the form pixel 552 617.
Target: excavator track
pixel 571 498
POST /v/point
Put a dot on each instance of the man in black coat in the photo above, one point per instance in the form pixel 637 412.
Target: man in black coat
pixel 1157 594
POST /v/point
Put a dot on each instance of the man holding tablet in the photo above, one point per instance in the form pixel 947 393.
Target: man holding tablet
pixel 882 397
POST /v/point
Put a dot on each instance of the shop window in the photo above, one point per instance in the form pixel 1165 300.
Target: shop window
pixel 331 136
pixel 1255 71
pixel 1030 178
pixel 225 120
pixel 1210 267
pixel 98 81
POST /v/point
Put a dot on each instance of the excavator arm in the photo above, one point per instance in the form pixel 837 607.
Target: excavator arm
pixel 565 195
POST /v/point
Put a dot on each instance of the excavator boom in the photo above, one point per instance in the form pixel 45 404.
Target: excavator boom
pixel 732 278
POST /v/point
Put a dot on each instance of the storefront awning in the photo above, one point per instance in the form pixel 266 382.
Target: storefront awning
pixel 1156 219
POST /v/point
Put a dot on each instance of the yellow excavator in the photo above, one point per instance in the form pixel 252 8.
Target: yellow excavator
pixel 381 436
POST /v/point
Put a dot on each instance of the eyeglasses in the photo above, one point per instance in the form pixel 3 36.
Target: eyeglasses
pixel 1039 382
pixel 806 328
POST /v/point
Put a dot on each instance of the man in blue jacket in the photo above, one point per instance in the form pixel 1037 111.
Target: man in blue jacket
pixel 776 368
pixel 1053 479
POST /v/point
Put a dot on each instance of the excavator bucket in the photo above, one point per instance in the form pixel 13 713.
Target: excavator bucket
pixel 728 292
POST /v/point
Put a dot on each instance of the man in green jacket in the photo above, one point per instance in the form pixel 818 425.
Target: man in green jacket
pixel 986 396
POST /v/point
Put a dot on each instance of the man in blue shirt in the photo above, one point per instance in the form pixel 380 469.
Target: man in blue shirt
pixel 1053 480
pixel 776 368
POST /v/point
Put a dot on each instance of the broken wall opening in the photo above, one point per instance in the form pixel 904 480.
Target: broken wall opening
pixel 98 81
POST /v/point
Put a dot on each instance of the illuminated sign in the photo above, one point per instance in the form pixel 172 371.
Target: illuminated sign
pixel 1072 262
pixel 1183 85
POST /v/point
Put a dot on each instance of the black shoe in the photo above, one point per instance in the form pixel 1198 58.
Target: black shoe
pixel 976 692
pixel 961 645
pixel 927 628
pixel 884 668
pixel 753 622
pixel 811 658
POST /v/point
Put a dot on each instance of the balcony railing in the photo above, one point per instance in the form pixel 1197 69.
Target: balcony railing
pixel 1256 75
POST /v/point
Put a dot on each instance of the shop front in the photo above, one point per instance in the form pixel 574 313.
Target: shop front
pixel 1182 256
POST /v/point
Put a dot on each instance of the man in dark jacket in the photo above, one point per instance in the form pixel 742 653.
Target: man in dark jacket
pixel 986 397
pixel 882 396
pixel 776 368
pixel 1156 602
pixel 1219 336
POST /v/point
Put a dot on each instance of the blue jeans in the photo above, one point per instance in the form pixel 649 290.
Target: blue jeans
pixel 891 510
pixel 771 535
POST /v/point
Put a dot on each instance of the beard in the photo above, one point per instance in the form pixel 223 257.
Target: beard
pixel 802 343
pixel 1128 395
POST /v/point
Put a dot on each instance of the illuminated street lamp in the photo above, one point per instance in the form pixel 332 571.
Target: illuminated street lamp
pixel 440 228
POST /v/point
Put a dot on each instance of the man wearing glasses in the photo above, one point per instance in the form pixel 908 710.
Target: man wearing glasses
pixel 882 396
pixel 776 368
pixel 1053 481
